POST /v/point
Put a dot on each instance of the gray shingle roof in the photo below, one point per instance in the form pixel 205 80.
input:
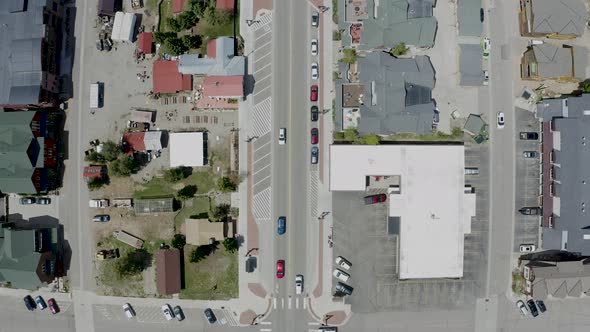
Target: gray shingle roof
pixel 559 16
pixel 470 65
pixel 469 18
pixel 224 63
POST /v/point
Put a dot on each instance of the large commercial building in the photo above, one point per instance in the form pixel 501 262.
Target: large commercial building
pixel 429 206
pixel 30 36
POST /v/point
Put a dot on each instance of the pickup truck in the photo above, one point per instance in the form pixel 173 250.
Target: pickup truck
pixel 98 203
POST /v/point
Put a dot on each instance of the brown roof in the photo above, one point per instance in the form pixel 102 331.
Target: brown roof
pixel 200 231
pixel 168 271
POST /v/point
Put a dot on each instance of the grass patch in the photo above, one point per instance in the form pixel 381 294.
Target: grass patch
pixel 165 14
pixel 108 276
pixel 204 180
pixel 151 4
pixel 214 278
pixel 192 207
pixel 455 136
pixel 208 31
pixel 335 11
pixel 518 283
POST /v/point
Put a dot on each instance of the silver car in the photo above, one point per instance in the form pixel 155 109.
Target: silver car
pixel 314 155
pixel 315 73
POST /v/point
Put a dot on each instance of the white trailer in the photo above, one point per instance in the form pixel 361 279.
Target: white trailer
pixel 95 100
pixel 129 239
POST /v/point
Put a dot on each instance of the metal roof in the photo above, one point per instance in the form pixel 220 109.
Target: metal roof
pixel 223 64
pixel 470 62
pixel 153 205
pixel 468 15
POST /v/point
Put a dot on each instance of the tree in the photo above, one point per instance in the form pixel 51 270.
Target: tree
pixel 371 140
pixel 191 42
pixel 161 37
pixel 175 174
pixel 174 46
pixel 225 184
pixel 201 252
pixel 210 14
pixel 179 241
pixel 351 134
pixel 187 20
pixel 110 150
pixel 219 213
pixel 187 192
pixel 399 49
pixel 94 157
pixel 230 244
pixel 585 86
pixel 349 55
pixel 96 183
pixel 133 263
pixel 124 166
pixel 199 6
pixel 174 24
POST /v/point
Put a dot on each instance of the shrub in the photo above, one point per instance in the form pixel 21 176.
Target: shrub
pixel 175 174
pixel 179 241
pixel 94 157
pixel 201 252
pixel 174 46
pixel 161 37
pixel 399 49
pixel 187 192
pixel 96 183
pixel 371 140
pixel 219 213
pixel 133 263
pixel 225 184
pixel 124 166
pixel 191 42
pixel 110 150
pixel 230 244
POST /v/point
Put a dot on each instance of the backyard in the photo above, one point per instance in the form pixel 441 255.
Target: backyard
pixel 158 186
pixel 213 278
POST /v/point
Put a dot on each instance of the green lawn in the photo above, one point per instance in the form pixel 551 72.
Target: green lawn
pixel 191 207
pixel 214 278
pixel 108 277
pixel 204 180
pixel 165 13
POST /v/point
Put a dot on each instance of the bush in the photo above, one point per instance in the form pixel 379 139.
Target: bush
pixel 174 46
pixel 349 55
pixel 336 35
pixel 110 150
pixel 124 166
pixel 187 20
pixel 94 157
pixel 351 134
pixel 399 49
pixel 161 37
pixel 191 42
pixel 175 174
pixel 199 6
pixel 201 252
pixel 179 241
pixel 219 213
pixel 187 192
pixel 174 24
pixel 96 183
pixel 371 140
pixel 225 184
pixel 230 244
pixel 133 263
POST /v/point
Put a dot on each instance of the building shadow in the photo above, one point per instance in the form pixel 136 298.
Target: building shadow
pixel 68 54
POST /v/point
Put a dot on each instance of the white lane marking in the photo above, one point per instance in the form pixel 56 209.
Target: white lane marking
pixel 274 302
pixel 313 323
pixel 297 302
pixel 304 303
pixel 265 323
pixel 265 330
pixel 290 303
pixel 283 303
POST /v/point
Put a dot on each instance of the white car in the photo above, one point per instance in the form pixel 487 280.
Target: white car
pixel 167 310
pixel 314 47
pixel 527 247
pixel 341 275
pixel 298 284
pixel 500 120
pixel 343 263
pixel 523 310
pixel 129 312
pixel 486 77
pixel 314 71
pixel 282 136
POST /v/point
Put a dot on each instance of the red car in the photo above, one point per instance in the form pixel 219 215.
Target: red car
pixel 53 306
pixel 314 93
pixel 280 268
pixel 374 199
pixel 314 136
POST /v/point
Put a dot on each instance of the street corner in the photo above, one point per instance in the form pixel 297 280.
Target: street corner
pixel 257 289
pixel 250 317
pixel 328 312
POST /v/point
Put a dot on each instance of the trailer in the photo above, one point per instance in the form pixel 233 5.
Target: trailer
pixel 95 96
pixel 128 238
pixel 123 203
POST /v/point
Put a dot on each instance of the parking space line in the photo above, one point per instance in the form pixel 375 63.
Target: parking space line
pixel 260 170
pixel 261 90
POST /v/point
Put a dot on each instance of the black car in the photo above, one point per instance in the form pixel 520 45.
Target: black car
pixel 315 19
pixel 328 329
pixel 344 289
pixel 178 313
pixel 315 114
pixel 210 316
pixel 30 303
pixel 481 14
pixel 533 308
pixel 541 306
pixel 529 136
pixel 530 211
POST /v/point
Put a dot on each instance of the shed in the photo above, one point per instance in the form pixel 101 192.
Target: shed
pixel 474 124
pixel 91 172
pixel 142 116
pixel 145 43
pixel 178 6
pixel 168 271
pixel 154 205
pixel 124 27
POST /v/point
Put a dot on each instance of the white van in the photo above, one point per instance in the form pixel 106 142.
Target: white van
pixel 282 136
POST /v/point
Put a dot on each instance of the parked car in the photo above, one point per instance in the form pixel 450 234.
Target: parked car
pixel 281 225
pixel 481 16
pixel 315 19
pixel 129 312
pixel 314 136
pixel 541 306
pixel 530 154
pixel 471 171
pixel 40 302
pixel 167 310
pixel 328 329
pixel 298 284
pixel 344 288
pixel 282 136
pixel 101 218
pixel 314 47
pixel 530 211
pixel 314 71
pixel 53 307
pixel 315 114
pixel 280 269
pixel 520 305
pixel 43 200
pixel 178 313
pixel 374 199
pixel 486 44
pixel 486 77
pixel 27 200
pixel 315 152
pixel 339 274
pixel 500 118
pixel 99 45
pixel 529 136
pixel 29 303
pixel 533 308
pixel 343 263
pixel 527 247
pixel 210 316
pixel 314 93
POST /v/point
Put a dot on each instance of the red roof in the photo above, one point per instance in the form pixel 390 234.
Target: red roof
pixel 223 86
pixel 225 4
pixel 133 142
pixel 177 6
pixel 212 48
pixel 144 42
pixel 167 79
pixel 168 271
pixel 93 172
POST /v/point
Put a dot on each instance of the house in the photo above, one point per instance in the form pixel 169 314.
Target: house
pixel 470 65
pixel 30 53
pixel 557 278
pixel 177 6
pixel 143 141
pixel 201 231
pixel 565 192
pixel 145 43
pixel 29 145
pixel 168 271
pixel 220 61
pixel 548 61
pixel 396 96
pixel 28 257
pixel 97 171
pixel 469 18
pixel 562 19
pixel 167 79
pixel 153 205
pixel 429 203
pixel 188 149
pixel 221 92
pixel 384 24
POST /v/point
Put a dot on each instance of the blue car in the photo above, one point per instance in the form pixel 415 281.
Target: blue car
pixel 282 225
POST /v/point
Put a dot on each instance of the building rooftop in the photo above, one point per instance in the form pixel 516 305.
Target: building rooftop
pixel 153 205
pixel 224 4
pixel 168 271
pixel 200 231
pixel 177 6
pixel 221 62
pixel 188 149
pixel 553 61
pixel 565 17
pixel 356 10
pixel 167 79
pixel 468 15
pixel 470 64
pixel 431 209
pixel 145 43
pixel 90 172
pixel 223 86
pixel 352 94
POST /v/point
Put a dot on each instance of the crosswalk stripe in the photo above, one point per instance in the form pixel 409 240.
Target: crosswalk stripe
pixel 274 302
pixel 282 303
pixel 304 303
pixel 297 303
pixel 265 330
pixel 313 323
pixel 289 303
pixel 265 323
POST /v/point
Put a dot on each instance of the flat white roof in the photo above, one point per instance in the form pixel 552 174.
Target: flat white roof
pixel 434 211
pixel 187 149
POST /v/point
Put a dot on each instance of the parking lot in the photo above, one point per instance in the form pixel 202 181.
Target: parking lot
pixel 34 212
pixel 527 189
